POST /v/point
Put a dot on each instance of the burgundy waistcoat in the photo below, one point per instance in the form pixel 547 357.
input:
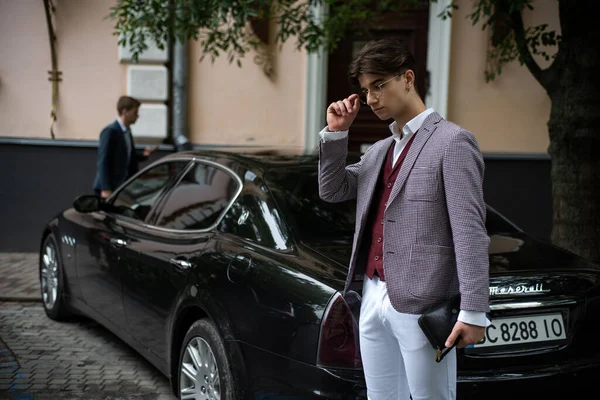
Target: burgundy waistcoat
pixel 385 183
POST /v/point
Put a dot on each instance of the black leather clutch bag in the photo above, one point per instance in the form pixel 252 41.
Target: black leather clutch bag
pixel 437 323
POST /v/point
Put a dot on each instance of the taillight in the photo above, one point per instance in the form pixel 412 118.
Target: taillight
pixel 338 341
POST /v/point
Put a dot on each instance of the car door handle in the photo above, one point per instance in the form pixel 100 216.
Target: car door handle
pixel 118 242
pixel 180 263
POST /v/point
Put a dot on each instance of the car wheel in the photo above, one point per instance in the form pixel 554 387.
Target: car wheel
pixel 204 368
pixel 51 280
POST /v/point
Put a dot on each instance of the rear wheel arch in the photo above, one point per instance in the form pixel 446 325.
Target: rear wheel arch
pixel 184 321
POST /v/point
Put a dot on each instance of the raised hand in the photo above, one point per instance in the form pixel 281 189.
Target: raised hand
pixel 341 114
pixel 149 150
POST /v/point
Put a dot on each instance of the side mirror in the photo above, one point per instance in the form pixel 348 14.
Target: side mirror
pixel 87 203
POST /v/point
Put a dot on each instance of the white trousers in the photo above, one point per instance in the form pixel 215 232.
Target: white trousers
pixel 398 361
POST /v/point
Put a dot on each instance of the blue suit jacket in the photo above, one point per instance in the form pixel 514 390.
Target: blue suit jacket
pixel 113 167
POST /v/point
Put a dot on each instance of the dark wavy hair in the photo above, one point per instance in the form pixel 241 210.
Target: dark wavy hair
pixel 387 56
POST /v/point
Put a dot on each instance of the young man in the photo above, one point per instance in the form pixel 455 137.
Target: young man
pixel 117 157
pixel 420 225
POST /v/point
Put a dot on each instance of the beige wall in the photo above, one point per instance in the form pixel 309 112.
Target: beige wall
pixel 228 105
pixel 242 106
pixel 231 105
pixel 87 56
pixel 23 66
pixel 509 114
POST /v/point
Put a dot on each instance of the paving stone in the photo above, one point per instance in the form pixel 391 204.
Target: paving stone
pixel 112 387
pixel 38 386
pixel 4 372
pixel 75 387
pixel 17 386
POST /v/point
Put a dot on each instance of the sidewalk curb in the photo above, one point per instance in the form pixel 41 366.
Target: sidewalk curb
pixel 20 299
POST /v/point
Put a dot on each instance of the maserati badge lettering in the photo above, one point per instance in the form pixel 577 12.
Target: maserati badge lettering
pixel 519 289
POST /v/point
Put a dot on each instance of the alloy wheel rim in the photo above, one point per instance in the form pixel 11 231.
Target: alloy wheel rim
pixel 199 378
pixel 49 276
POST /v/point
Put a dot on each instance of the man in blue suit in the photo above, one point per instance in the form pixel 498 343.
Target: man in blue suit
pixel 117 157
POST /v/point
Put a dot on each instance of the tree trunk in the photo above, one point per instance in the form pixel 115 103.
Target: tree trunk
pixel 574 129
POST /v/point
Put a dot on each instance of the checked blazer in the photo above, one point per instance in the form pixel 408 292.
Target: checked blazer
pixel 435 242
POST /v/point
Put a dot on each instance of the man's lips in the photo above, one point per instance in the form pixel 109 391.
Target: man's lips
pixel 377 109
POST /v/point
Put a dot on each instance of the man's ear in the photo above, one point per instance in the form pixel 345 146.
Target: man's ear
pixel 409 79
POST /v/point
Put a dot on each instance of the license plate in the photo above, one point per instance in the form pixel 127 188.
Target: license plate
pixel 525 329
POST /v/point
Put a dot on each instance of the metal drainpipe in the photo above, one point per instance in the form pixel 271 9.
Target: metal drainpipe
pixel 180 96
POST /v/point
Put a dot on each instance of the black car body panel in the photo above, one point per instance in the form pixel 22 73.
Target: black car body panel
pixel 268 265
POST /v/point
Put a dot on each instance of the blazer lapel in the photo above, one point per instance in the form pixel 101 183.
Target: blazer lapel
pixel 422 136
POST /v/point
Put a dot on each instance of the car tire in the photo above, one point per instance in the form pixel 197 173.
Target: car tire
pixel 203 345
pixel 52 281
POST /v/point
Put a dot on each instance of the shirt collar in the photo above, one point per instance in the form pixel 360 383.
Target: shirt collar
pixel 123 127
pixel 411 126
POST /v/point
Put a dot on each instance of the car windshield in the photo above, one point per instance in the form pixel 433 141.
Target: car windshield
pixel 496 223
pixel 296 192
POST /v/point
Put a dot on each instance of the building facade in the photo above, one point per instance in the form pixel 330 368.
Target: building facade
pixel 279 103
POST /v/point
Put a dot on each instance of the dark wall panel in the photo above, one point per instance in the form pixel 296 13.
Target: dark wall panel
pixel 37 182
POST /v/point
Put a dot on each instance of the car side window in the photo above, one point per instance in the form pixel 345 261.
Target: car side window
pixel 199 199
pixel 254 217
pixel 139 196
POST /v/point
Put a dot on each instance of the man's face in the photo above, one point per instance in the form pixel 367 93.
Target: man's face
pixel 130 116
pixel 387 95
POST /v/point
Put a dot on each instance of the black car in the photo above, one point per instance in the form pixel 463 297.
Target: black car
pixel 225 271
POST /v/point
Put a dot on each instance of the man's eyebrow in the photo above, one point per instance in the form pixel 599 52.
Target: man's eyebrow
pixel 375 82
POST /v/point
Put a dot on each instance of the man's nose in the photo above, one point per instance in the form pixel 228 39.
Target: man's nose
pixel 371 99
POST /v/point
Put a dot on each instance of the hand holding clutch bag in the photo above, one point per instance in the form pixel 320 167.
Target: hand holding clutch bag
pixel 437 324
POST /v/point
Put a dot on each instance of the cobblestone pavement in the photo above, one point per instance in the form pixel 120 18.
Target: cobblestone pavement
pixel 41 359
pixel 44 359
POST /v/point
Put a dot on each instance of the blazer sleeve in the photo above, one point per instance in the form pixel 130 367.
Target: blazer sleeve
pixel 106 158
pixel 463 170
pixel 337 182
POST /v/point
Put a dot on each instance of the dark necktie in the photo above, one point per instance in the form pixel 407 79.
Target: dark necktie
pixel 129 144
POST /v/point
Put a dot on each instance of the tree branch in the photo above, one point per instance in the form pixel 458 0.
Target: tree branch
pixel 527 58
